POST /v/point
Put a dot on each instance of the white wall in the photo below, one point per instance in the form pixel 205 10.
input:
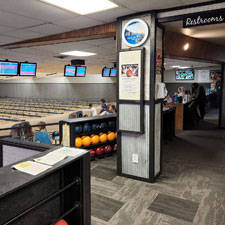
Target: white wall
pixel 89 79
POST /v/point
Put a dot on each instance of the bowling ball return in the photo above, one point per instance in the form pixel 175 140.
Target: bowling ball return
pixel 91 126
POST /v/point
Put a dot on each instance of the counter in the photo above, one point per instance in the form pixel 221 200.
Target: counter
pixel 63 191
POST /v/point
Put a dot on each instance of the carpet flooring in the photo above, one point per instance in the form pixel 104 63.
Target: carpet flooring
pixel 190 191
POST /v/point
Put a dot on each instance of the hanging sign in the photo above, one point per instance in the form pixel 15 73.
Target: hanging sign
pixel 135 32
pixel 204 18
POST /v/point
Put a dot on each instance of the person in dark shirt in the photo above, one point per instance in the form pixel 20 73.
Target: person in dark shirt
pixel 103 106
pixel 199 98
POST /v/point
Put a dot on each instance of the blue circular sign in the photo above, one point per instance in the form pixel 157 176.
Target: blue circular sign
pixel 135 32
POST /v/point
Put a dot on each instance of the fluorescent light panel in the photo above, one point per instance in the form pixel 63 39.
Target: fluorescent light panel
pixel 78 53
pixel 82 7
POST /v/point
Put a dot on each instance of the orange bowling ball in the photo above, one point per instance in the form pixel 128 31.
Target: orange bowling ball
pixel 95 140
pixel 103 138
pixel 83 137
pixel 78 142
pixel 111 136
pixel 86 141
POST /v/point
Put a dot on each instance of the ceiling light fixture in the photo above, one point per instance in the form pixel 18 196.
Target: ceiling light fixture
pixel 82 7
pixel 186 47
pixel 183 67
pixel 175 66
pixel 78 53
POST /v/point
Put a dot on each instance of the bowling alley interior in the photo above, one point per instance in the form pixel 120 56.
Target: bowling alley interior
pixel 112 112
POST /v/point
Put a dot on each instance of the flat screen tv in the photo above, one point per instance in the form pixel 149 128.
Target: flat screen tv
pixel 9 68
pixel 113 72
pixel 105 72
pixel 69 71
pixel 184 75
pixel 81 71
pixel 28 69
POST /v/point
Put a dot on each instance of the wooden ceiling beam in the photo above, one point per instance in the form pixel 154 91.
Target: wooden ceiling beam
pixel 90 33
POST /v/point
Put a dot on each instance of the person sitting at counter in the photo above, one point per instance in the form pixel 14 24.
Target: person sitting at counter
pixel 43 136
pixel 110 109
pixel 199 97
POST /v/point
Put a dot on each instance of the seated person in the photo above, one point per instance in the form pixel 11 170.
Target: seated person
pixel 43 136
pixel 93 110
pixel 28 133
pixel 110 109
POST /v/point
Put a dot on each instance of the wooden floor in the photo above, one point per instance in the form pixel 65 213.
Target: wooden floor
pixel 191 190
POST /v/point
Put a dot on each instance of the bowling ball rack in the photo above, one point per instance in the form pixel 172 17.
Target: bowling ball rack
pixel 72 123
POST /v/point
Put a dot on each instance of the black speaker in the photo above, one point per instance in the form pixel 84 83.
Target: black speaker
pixel 77 62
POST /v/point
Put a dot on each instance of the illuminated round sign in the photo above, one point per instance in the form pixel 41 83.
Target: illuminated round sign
pixel 135 32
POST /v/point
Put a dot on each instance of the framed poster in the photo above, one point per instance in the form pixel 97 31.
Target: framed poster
pixel 131 90
pixel 131 75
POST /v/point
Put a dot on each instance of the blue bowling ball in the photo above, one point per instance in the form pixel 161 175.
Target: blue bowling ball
pixel 95 127
pixel 55 133
pixel 103 126
pixel 111 125
pixel 78 129
pixel 86 128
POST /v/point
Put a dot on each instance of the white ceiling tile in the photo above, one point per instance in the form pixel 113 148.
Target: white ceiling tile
pixel 6 39
pixel 36 9
pixel 111 15
pixel 4 29
pixel 144 5
pixel 49 29
pixel 13 20
pixel 24 34
pixel 79 22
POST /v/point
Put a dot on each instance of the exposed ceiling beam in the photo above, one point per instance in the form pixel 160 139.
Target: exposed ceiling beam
pixel 90 33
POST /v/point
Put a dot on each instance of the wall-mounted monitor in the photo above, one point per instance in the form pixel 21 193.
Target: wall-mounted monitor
pixel 69 71
pixel 105 72
pixel 81 71
pixel 185 75
pixel 9 68
pixel 28 69
pixel 113 72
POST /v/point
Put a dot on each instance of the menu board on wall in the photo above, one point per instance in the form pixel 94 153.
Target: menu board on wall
pixel 203 76
pixel 130 75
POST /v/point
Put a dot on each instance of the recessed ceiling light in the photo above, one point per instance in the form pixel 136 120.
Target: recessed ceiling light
pixel 78 53
pixel 186 46
pixel 82 7
pixel 183 67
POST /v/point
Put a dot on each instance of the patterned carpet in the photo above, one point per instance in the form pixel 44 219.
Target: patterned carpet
pixel 191 190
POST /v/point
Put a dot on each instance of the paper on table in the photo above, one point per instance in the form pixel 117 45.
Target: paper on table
pixel 58 155
pixel 31 168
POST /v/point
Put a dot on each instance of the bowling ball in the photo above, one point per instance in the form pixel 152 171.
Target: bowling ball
pixel 103 126
pixel 99 151
pixel 115 147
pixel 92 152
pixel 95 127
pixel 86 141
pixel 61 222
pixel 95 140
pixel 103 138
pixel 55 133
pixel 111 125
pixel 78 129
pixel 86 128
pixel 111 136
pixel 92 135
pixel 78 142
pixel 107 149
pixel 83 137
